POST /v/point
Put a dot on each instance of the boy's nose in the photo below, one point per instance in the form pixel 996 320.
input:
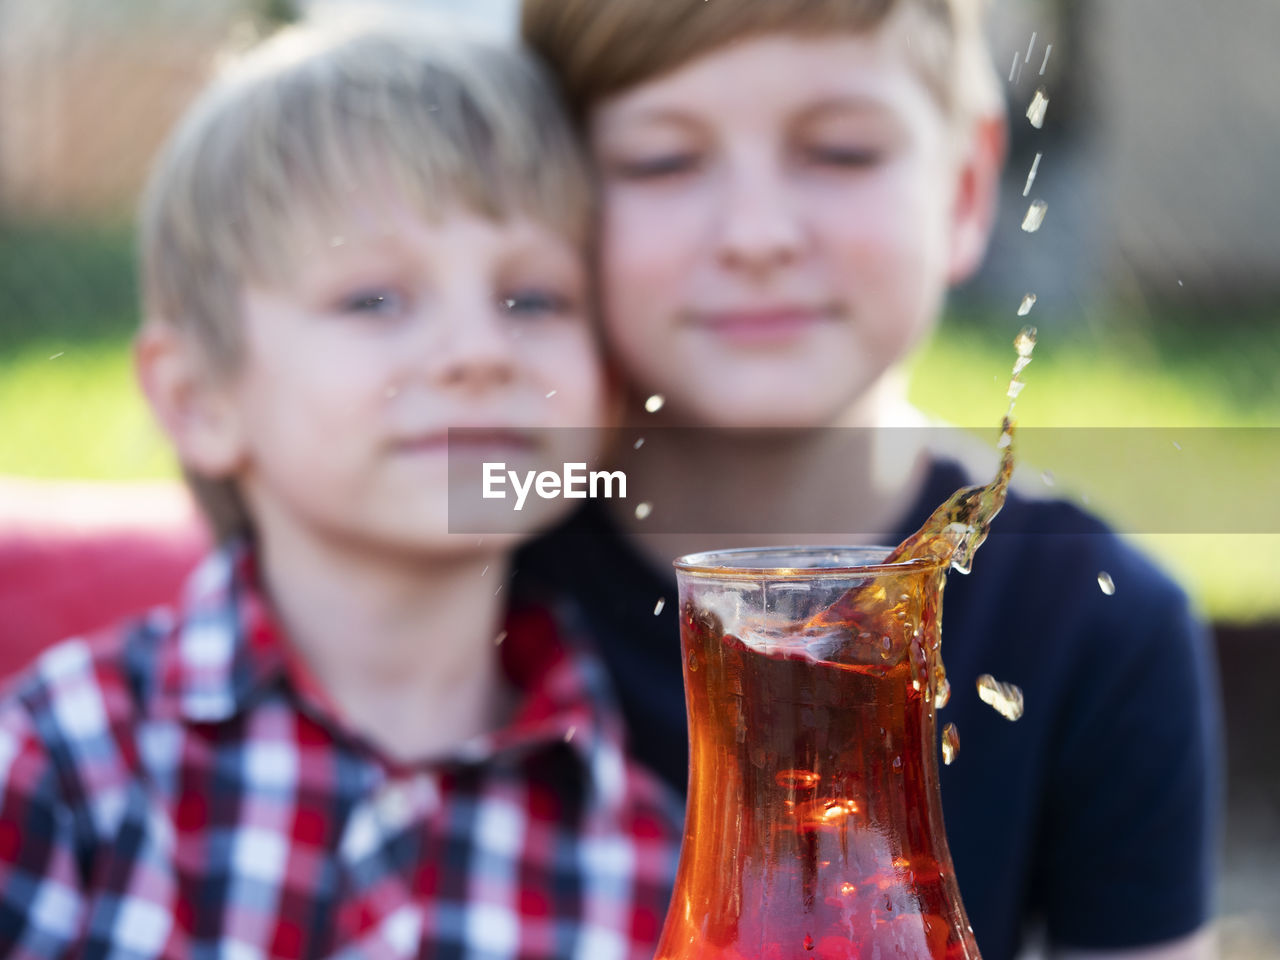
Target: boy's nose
pixel 474 350
pixel 760 229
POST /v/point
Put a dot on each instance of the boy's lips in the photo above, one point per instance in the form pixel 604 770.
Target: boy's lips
pixel 764 325
pixel 470 441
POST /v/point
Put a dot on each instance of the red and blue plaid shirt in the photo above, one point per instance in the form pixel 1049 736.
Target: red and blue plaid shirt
pixel 179 788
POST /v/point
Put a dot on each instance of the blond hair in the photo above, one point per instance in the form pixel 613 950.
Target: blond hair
pixel 285 133
pixel 598 48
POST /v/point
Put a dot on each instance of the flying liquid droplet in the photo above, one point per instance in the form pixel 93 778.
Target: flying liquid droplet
pixel 654 403
pixel 1047 50
pixel 1013 68
pixel 1035 216
pixel 1004 698
pixel 1047 477
pixel 1031 175
pixel 1039 104
pixel 657 607
pixel 568 734
pixel 485 570
pixel 1177 445
pixel 550 394
pixel 1028 302
pixel 1106 584
pixel 643 510
pixel 1030 46
pixel 337 241
pixel 943 696
pixel 57 355
pixel 1025 342
pixel 502 635
pixel 638 444
pixel 950 743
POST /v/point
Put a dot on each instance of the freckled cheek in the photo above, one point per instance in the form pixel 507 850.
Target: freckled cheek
pixel 648 243
pixel 880 232
pixel 646 280
pixel 327 392
pixel 884 264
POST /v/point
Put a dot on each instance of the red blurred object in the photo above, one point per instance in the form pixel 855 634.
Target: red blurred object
pixel 78 556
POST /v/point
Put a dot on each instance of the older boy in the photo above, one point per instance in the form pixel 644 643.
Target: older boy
pixel 337 743
pixel 789 189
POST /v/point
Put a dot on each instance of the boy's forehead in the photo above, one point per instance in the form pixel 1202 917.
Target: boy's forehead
pixel 860 72
pixel 390 226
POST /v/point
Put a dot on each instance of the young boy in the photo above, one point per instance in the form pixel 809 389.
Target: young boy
pixel 789 187
pixel 335 743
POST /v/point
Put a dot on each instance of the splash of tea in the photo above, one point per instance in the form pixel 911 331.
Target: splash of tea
pixel 954 532
pixel 951 536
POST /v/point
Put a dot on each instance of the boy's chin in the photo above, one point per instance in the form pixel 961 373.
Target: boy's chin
pixel 495 528
pixel 466 546
pixel 790 409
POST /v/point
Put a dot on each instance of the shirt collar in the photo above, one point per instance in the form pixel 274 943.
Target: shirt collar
pixel 566 696
pixel 226 650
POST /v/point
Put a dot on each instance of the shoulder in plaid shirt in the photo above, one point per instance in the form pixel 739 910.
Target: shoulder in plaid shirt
pixel 178 788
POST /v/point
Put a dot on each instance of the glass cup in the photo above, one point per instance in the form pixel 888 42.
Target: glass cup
pixel 814 824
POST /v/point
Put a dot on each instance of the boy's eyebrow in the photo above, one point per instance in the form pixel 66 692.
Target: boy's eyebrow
pixel 659 115
pixel 844 103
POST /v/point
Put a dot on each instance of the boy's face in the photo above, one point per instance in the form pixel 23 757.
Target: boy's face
pixel 780 225
pixel 392 330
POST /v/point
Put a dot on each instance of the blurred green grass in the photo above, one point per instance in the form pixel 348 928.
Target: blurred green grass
pixel 70 409
pixel 73 411
pixel 1176 377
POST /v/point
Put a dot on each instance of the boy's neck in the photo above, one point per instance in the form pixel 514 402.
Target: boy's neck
pixel 851 483
pixel 402 647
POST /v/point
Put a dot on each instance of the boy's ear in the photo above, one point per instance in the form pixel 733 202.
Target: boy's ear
pixel 192 404
pixel 977 193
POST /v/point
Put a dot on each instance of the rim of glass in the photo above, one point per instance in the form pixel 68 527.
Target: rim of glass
pixel 712 563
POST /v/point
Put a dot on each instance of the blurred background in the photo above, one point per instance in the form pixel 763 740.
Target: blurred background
pixel 1156 276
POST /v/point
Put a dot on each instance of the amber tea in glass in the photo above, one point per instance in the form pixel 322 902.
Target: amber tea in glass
pixel 814 824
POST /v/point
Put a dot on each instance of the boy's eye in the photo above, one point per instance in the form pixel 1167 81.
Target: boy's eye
pixel 380 302
pixel 840 156
pixel 655 168
pixel 535 303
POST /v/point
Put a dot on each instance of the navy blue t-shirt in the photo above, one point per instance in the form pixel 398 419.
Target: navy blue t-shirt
pixel 1095 813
